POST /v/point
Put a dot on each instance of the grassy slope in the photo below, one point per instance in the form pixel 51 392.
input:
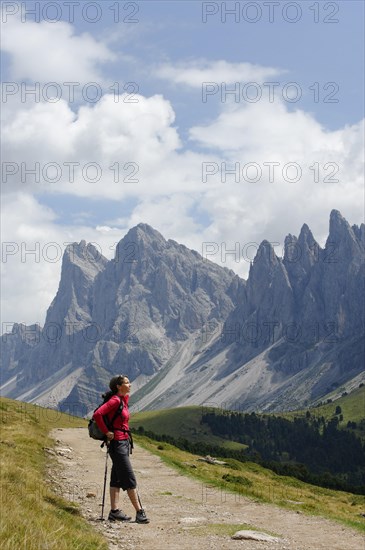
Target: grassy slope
pixel 185 421
pixel 32 515
pixel 181 422
pixel 352 407
pixel 251 480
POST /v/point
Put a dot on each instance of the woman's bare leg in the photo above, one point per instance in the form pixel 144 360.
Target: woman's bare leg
pixel 114 497
pixel 133 496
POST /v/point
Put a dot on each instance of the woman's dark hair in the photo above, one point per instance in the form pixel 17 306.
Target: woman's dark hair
pixel 114 382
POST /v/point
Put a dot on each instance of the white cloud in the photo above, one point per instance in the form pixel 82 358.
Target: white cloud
pixel 249 137
pixel 195 73
pixel 263 127
pixel 52 52
pixel 131 145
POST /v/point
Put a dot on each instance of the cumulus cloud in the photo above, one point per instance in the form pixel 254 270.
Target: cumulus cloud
pixel 195 73
pixel 288 170
pixel 44 52
pixel 120 145
pixel 135 147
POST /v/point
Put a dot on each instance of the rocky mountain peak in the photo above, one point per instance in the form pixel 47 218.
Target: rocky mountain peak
pixel 307 243
pixel 339 228
pixel 81 263
pixel 139 243
pixel 84 255
pixel 336 219
pixel 305 235
pixel 263 268
pixel 265 255
pixel 300 253
pixel 290 245
pixel 267 281
pixel 343 245
pixel 144 232
pixel 148 230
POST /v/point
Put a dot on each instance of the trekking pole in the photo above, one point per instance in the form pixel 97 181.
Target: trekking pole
pixel 105 476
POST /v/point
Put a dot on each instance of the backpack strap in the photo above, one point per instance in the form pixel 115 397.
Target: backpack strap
pixel 119 410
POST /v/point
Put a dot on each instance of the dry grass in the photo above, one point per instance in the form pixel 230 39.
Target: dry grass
pixel 32 516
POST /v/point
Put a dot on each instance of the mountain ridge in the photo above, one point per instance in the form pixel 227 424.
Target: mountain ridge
pixel 161 313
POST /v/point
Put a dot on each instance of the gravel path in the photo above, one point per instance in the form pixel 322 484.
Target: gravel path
pixel 183 511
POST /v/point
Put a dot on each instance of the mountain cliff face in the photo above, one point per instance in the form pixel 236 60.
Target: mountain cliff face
pixel 131 314
pixel 298 332
pixel 187 331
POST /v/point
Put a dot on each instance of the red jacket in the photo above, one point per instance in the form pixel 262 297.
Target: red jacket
pixel 109 409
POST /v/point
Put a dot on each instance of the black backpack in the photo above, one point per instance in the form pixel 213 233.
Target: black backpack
pixel 94 430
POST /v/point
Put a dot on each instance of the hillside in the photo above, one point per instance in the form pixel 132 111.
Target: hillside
pixel 32 515
pixel 186 421
pixel 182 422
pixel 351 409
pixel 307 445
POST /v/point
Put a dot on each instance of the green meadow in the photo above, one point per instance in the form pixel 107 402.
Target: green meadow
pixel 183 422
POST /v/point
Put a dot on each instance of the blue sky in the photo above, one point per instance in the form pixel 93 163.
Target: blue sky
pixel 308 52
pixel 169 136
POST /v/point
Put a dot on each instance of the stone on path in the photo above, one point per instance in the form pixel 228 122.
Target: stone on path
pixel 193 521
pixel 254 535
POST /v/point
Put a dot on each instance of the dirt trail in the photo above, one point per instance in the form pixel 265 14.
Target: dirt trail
pixel 182 511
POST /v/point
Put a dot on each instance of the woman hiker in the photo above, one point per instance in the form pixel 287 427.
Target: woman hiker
pixel 118 437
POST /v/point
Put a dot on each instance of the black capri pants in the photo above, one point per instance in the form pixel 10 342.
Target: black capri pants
pixel 122 474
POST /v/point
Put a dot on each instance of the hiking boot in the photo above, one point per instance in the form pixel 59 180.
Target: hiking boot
pixel 141 517
pixel 118 515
